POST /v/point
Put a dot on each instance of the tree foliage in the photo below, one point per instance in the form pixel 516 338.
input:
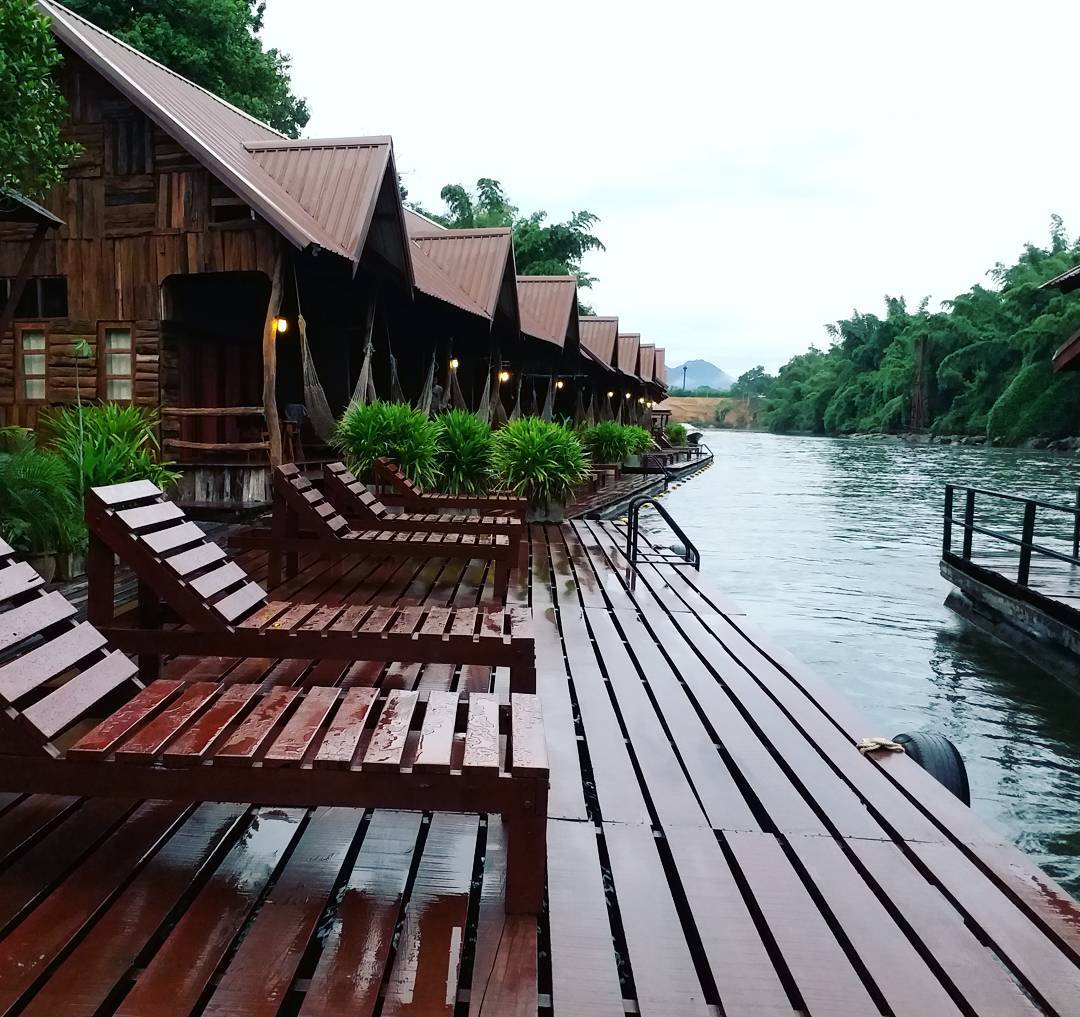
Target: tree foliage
pixel 213 43
pixel 987 362
pixel 34 156
pixel 540 247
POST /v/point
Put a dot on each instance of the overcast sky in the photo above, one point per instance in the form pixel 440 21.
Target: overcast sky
pixel 759 169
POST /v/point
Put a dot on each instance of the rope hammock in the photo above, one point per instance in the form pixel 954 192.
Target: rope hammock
pixel 365 386
pixel 483 410
pixel 580 413
pixel 423 403
pixel 455 397
pixel 590 416
pixel 515 413
pixel 498 411
pixel 397 394
pixel 318 409
pixel 548 411
pixel 606 412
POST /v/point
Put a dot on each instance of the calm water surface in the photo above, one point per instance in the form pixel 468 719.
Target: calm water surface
pixel 832 546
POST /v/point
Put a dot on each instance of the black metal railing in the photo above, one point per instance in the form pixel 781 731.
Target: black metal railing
pixel 1026 542
pixel 690 553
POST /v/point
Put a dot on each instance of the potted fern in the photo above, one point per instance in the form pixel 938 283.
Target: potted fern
pixel 465 449
pixel 367 431
pixel 541 461
pixel 606 442
pixel 638 442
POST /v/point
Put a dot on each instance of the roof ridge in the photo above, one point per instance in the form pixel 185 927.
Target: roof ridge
pixel 302 144
pixel 451 233
pixel 49 5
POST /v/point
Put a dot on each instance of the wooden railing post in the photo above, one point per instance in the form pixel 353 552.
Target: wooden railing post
pixel 1027 537
pixel 969 522
pixel 946 536
pixel 1076 527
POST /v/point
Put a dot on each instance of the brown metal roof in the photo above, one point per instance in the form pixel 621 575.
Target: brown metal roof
pixel 629 342
pixel 547 304
pixel 417 222
pixel 1066 282
pixel 659 369
pixel 432 279
pixel 598 337
pixel 646 359
pixel 15 207
pixel 477 261
pixel 284 188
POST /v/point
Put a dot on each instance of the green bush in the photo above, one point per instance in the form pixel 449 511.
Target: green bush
pixel 676 434
pixel 107 443
pixel 38 507
pixel 607 442
pixel 394 430
pixel 539 460
pixel 465 443
pixel 639 439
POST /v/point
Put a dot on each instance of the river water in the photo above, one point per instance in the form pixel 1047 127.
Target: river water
pixel 832 546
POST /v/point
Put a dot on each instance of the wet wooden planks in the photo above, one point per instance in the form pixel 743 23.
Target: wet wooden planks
pixel 716 844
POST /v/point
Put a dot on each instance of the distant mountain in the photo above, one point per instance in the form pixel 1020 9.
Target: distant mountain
pixel 699 374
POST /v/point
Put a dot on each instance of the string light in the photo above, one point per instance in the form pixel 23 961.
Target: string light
pixel 504 376
pixel 454 363
pixel 281 325
pixel 559 383
pixel 610 394
pixel 628 395
pixel 641 399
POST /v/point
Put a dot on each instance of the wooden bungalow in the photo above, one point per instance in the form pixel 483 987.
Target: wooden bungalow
pixel 194 238
pixel 1067 356
pixel 552 338
pixel 599 343
pixel 631 387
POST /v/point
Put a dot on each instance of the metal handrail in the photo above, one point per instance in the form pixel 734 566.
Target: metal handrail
pixel 1026 541
pixel 691 553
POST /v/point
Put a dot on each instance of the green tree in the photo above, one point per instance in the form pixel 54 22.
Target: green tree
pixel 213 43
pixel 754 382
pixel 540 247
pixel 34 156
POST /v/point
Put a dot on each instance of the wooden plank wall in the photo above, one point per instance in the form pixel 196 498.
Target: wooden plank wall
pixel 136 210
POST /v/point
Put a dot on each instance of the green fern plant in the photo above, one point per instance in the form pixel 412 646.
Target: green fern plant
pixel 38 507
pixel 394 430
pixel 638 439
pixel 539 460
pixel 466 444
pixel 607 442
pixel 676 434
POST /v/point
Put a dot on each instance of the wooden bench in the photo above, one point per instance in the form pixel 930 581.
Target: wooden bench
pixel 305 520
pixel 416 500
pixel 206 741
pixel 225 613
pixel 354 501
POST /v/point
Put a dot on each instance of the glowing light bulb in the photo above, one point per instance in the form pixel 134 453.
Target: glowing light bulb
pixel 610 394
pixel 628 395
pixel 281 325
pixel 559 383
pixel 504 376
pixel 641 399
pixel 454 363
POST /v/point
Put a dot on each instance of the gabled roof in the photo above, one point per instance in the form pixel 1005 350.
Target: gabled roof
pixel 659 368
pixel 417 222
pixel 479 262
pixel 598 337
pixel 628 352
pixel 15 207
pixel 646 361
pixel 548 306
pixel 1068 281
pixel 322 193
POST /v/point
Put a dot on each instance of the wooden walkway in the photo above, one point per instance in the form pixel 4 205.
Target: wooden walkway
pixel 717 845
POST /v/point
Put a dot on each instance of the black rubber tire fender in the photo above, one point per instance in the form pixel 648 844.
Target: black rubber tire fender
pixel 940 758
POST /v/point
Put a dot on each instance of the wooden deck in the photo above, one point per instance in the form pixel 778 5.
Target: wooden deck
pixel 717 845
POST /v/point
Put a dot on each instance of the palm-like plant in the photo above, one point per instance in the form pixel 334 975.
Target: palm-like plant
pixel 638 439
pixel 465 442
pixel 607 442
pixel 38 507
pixel 394 430
pixel 539 460
pixel 676 434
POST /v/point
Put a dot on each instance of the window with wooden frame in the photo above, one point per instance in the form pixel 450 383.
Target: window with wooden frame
pixel 31 363
pixel 116 362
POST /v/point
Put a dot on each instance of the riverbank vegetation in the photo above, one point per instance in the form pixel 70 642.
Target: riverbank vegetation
pixel 985 362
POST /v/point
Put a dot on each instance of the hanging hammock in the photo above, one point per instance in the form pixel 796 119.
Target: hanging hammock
pixel 590 413
pixel 423 403
pixel 548 411
pixel 606 411
pixel 515 413
pixel 579 408
pixel 364 392
pixel 318 409
pixel 455 397
pixel 483 410
pixel 498 411
pixel 396 393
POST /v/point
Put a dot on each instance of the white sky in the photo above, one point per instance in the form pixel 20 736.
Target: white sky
pixel 759 169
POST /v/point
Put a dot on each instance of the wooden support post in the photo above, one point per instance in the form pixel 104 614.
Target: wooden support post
pixel 19 283
pixel 526 855
pixel 1076 527
pixel 1027 538
pixel 100 582
pixel 269 350
pixel 149 618
pixel 946 536
pixel 969 522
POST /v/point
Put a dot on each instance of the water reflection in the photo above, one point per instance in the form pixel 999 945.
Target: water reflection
pixel 833 547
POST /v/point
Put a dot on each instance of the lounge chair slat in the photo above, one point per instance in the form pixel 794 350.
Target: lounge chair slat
pixel 136 490
pixel 482 734
pixel 492 625
pixel 18 579
pixel 377 620
pixel 464 622
pixel 111 731
pixel 33 617
pixel 387 745
pixel 161 541
pixel 239 603
pixel 45 662
pixel 435 623
pixel 186 562
pixel 300 731
pixel 407 620
pixel 194 744
pixel 266 614
pixel 342 737
pixel 148 741
pixel 151 515
pixel 5 547
pixel 74 698
pixel 352 616
pixel 528 750
pixel 437 733
pixel 218 579
pixel 246 741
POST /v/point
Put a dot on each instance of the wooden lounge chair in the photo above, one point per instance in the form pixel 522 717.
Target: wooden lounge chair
pixel 416 500
pixel 76 720
pixel 226 614
pixel 354 501
pixel 304 520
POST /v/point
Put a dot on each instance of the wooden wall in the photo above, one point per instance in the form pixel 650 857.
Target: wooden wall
pixel 136 210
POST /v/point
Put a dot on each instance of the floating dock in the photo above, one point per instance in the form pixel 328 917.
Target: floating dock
pixel 717 845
